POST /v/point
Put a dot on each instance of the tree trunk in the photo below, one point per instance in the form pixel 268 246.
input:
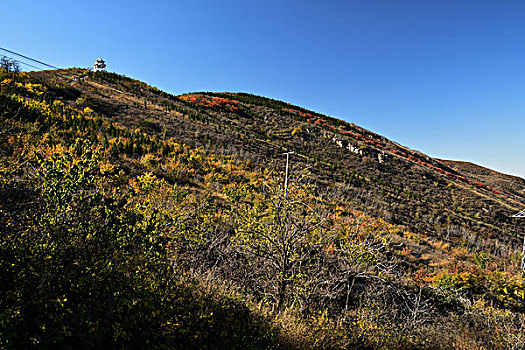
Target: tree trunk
pixel 350 284
pixel 281 293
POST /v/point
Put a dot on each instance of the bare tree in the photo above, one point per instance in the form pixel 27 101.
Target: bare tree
pixel 9 66
pixel 361 252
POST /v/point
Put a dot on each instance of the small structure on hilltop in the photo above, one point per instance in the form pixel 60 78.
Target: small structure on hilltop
pixel 100 65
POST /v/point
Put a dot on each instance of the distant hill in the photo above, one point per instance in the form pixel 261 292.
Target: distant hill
pixel 512 183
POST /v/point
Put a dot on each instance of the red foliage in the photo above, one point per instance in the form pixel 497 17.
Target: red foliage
pixel 210 101
pixel 413 157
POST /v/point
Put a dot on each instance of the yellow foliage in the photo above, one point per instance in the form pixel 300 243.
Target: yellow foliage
pixel 149 160
pixel 106 168
pixel 459 281
pixel 297 131
pixel 37 89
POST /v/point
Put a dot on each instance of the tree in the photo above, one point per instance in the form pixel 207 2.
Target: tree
pixel 87 270
pixel 360 245
pixel 8 65
pixel 284 234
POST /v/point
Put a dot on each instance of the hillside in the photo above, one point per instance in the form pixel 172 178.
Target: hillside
pixel 511 183
pixel 119 199
pixel 356 165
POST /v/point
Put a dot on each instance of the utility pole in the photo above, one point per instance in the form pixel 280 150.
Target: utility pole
pixel 286 176
pixel 521 214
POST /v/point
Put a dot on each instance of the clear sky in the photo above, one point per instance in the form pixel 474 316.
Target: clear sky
pixel 446 77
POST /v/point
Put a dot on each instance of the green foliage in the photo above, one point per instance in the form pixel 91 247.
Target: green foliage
pixel 80 262
pixel 81 101
pixel 283 232
pixel 66 175
pixel 95 271
pixel 482 259
pixel 236 192
pixel 463 282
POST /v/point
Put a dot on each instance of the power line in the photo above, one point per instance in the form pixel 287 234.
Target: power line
pixel 25 64
pixel 29 58
pixel 33 60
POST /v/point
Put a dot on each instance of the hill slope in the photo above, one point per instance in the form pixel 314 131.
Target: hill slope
pixel 130 216
pixel 426 195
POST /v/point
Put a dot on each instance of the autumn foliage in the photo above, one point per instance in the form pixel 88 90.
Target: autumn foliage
pixel 114 234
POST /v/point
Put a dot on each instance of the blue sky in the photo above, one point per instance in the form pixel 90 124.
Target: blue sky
pixel 443 77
